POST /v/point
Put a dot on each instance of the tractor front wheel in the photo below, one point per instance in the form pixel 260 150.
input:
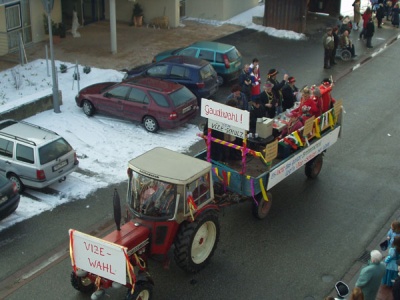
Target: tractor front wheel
pixel 196 242
pixel 82 284
pixel 143 291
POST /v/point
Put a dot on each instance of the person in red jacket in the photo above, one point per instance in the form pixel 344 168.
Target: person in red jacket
pixel 365 16
pixel 327 99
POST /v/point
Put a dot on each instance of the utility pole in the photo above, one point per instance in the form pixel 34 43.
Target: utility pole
pixel 48 7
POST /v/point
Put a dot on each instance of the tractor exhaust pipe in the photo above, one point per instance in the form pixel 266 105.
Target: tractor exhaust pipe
pixel 117 209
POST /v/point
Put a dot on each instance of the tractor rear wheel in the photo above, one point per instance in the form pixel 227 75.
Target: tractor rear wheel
pixel 82 284
pixel 196 242
pixel 261 210
pixel 143 291
pixel 314 166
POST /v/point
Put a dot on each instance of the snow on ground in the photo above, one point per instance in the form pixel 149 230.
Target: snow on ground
pixel 104 145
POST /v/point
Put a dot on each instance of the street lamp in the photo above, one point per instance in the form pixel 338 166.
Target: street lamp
pixel 48 7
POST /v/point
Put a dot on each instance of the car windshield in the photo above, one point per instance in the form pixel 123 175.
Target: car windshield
pixel 181 96
pixel 151 197
pixel 53 150
pixel 207 71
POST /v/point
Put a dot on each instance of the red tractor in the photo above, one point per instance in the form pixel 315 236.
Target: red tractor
pixel 169 202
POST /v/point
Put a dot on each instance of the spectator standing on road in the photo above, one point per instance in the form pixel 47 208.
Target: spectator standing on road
pixel 395 15
pixel 346 25
pixel 371 275
pixel 357 14
pixel 345 42
pixel 245 81
pixel 380 14
pixel 255 79
pixel 390 260
pixel 369 32
pixel 277 87
pixel 289 92
pixel 329 44
pixel 393 232
pixel 365 16
pixel 335 35
pixel 388 9
pixel 240 97
pixel 356 294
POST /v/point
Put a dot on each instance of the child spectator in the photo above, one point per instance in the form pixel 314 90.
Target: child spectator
pixel 393 232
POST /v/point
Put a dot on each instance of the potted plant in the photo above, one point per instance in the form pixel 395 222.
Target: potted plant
pixel 63 68
pixel 137 14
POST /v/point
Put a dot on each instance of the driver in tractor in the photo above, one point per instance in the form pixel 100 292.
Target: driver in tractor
pixel 158 200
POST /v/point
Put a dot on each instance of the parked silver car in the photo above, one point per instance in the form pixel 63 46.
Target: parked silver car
pixel 34 156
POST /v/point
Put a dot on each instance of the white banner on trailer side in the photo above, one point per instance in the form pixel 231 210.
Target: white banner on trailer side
pixel 225 114
pixel 98 257
pixel 282 171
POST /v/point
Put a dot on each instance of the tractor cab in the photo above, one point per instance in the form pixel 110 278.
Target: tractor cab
pixel 166 185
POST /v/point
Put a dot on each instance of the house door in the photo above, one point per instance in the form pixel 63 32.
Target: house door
pixel 92 10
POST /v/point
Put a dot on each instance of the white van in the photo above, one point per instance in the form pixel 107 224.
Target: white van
pixel 34 156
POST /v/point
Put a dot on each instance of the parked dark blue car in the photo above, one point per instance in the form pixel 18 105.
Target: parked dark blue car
pixel 196 74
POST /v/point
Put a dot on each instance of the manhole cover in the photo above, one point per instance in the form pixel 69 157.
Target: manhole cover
pixel 309 298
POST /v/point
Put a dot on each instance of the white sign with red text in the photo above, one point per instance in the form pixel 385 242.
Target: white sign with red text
pixel 288 167
pixel 225 114
pixel 225 128
pixel 99 257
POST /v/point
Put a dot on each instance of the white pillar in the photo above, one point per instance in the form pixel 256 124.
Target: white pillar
pixel 113 27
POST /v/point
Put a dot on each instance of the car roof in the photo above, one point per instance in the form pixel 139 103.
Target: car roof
pixel 170 166
pixel 186 60
pixel 27 131
pixel 221 47
pixel 155 84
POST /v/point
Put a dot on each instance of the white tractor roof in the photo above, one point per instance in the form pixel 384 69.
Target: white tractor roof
pixel 170 166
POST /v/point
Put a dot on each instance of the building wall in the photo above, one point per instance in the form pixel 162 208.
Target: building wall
pixel 220 10
pixel 37 12
pixel 151 9
pixel 3 34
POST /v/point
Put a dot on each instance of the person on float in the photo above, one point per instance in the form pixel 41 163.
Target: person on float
pixel 327 99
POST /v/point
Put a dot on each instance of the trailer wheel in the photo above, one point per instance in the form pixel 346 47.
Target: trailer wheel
pixel 196 242
pixel 143 291
pixel 314 166
pixel 82 284
pixel 261 210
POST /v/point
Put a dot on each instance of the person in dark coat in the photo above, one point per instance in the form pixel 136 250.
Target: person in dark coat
pixel 395 15
pixel 396 284
pixel 268 100
pixel 369 32
pixel 328 43
pixel 336 40
pixel 246 82
pixel 289 92
pixel 371 275
pixel 380 14
pixel 365 16
pixel 277 87
pixel 217 150
pixel 257 111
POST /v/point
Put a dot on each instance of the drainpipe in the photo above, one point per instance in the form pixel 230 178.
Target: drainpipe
pixel 113 27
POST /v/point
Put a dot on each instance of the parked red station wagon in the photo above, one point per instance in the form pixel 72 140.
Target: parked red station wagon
pixel 155 103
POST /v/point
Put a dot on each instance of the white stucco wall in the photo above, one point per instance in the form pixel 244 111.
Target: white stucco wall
pixel 37 12
pixel 220 10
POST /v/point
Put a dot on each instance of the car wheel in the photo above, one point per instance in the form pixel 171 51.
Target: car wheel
pixel 220 80
pixel 18 183
pixel 88 108
pixel 150 124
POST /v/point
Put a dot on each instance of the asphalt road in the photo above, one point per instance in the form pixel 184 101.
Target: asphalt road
pixel 315 231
